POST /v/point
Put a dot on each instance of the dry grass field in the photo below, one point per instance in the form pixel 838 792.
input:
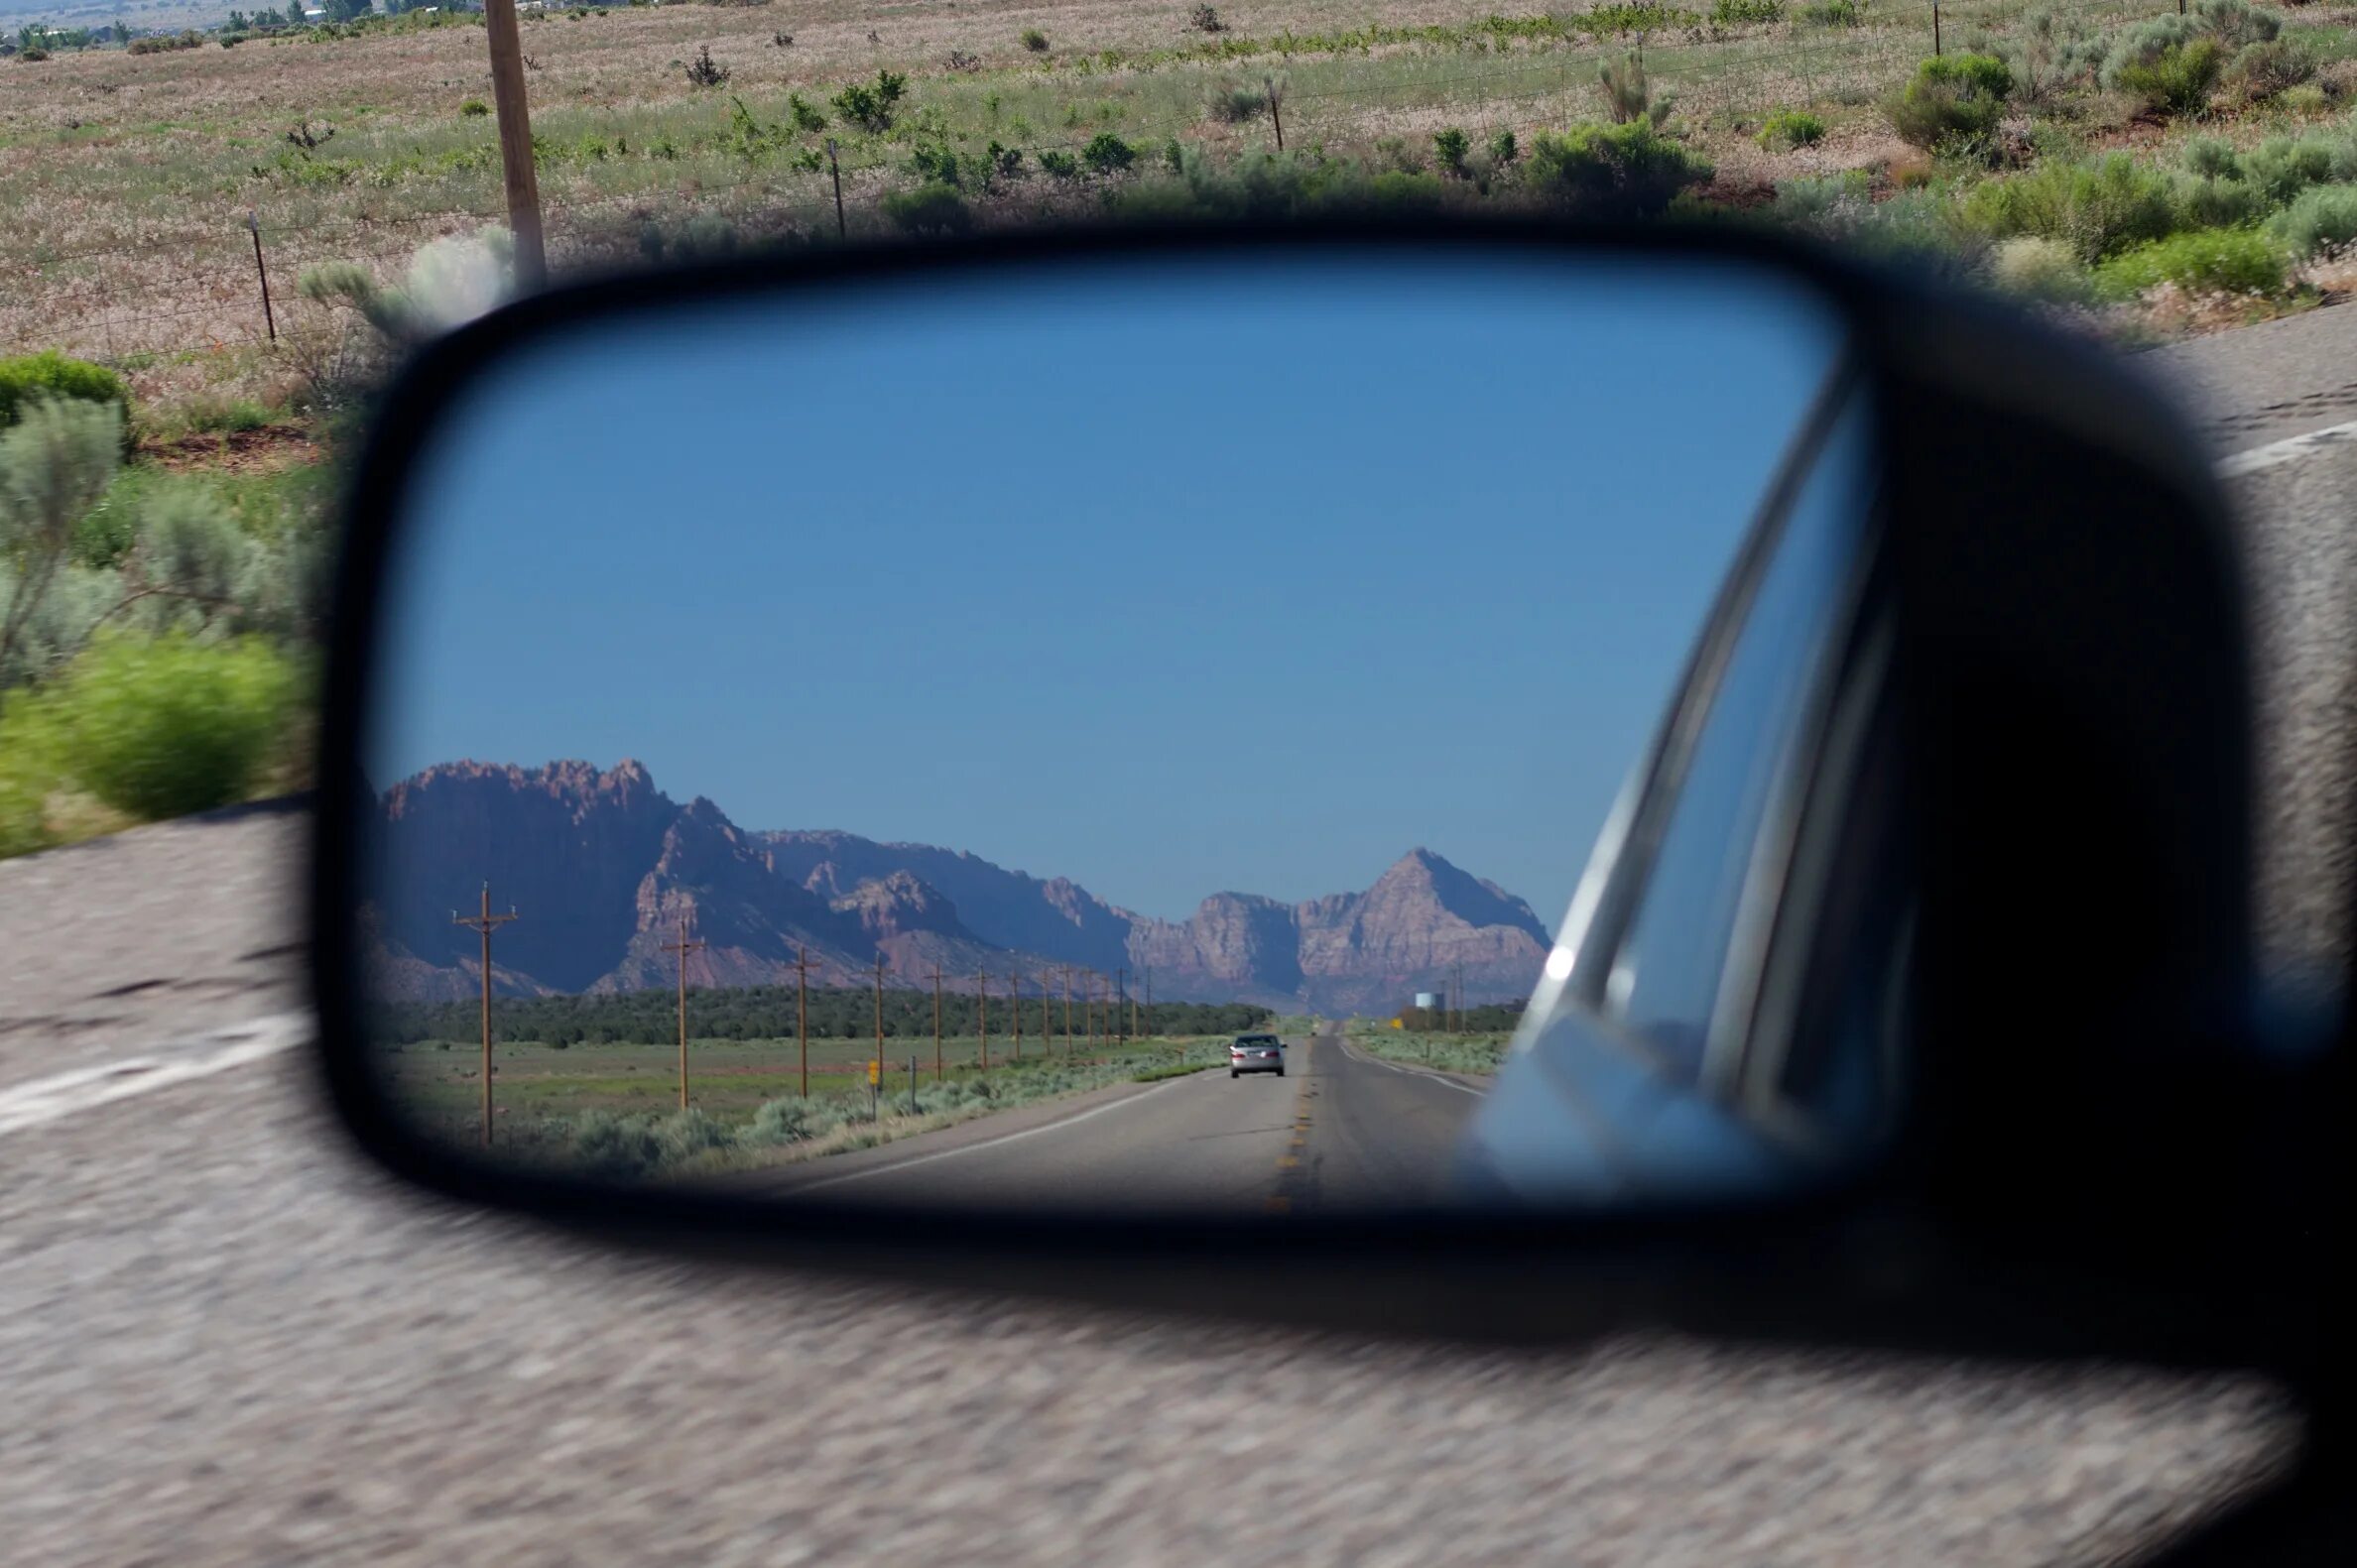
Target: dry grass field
pixel 126 180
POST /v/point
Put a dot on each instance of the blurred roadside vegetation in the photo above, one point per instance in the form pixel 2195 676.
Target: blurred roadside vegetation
pixel 158 629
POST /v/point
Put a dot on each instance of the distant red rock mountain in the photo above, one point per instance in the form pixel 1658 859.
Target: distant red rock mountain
pixel 605 869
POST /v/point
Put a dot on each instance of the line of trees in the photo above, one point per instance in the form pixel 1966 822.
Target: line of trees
pixel 1495 1017
pixel 650 1017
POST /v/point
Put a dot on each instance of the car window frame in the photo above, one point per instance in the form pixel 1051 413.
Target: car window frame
pixel 1827 841
pixel 1621 871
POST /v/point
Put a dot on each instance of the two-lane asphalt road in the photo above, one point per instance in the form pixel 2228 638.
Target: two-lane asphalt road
pixel 1341 1130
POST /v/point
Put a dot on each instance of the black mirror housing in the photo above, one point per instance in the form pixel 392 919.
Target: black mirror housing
pixel 2073 754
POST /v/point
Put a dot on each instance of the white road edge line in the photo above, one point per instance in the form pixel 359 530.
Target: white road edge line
pixel 1056 1126
pixel 2252 462
pixel 60 1095
pixel 1355 1054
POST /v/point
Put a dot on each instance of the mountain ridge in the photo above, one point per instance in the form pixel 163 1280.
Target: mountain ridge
pixel 607 871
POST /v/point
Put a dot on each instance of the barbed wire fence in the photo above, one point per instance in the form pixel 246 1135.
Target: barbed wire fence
pixel 195 289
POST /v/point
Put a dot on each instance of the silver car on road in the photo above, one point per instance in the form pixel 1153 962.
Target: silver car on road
pixel 1256 1053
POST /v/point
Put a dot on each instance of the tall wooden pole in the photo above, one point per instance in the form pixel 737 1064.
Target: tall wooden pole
pixel 937 980
pixel 879 1077
pixel 515 144
pixel 485 922
pixel 682 947
pixel 801 1014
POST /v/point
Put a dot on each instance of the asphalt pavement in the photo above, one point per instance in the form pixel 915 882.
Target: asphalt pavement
pixel 225 1341
pixel 1338 1131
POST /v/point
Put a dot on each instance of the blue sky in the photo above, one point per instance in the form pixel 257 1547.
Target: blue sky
pixel 1169 579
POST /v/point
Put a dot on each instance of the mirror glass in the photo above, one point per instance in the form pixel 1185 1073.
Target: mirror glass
pixel 1126 734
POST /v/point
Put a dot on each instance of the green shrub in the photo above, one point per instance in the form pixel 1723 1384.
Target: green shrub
pixel 1790 127
pixel 1503 149
pixel 1062 165
pixel 2211 158
pixel 2271 67
pixel 1034 41
pixel 615 1148
pixel 1233 105
pixel 2049 49
pixel 1393 154
pixel 2282 167
pixel 930 208
pixel 2167 63
pixel 1920 228
pixel 1825 205
pixel 1833 13
pixel 29 774
pixel 872 108
pixel 1403 190
pixel 2323 218
pixel 2041 269
pixel 53 373
pixel 2218 204
pixel 2199 261
pixel 2236 23
pixel 56 463
pixel 1734 13
pixel 1451 147
pixel 473 109
pixel 1612 171
pixel 2096 209
pixel 161 728
pixel 1628 97
pixel 1951 100
pixel 1107 154
pixel 685 1134
pixel 1984 74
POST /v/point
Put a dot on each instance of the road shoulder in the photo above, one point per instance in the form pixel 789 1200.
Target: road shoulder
pixel 1471 1082
pixel 957 1137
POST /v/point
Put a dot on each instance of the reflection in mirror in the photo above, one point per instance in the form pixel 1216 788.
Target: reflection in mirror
pixel 1119 735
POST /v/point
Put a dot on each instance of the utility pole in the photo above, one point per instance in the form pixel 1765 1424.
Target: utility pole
pixel 682 947
pixel 837 170
pixel 515 144
pixel 1148 997
pixel 937 980
pixel 982 1014
pixel 801 1013
pixel 1088 980
pixel 1015 1005
pixel 1119 996
pixel 879 1019
pixel 1047 1019
pixel 485 922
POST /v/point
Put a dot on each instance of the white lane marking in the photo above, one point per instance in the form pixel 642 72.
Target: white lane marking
pixel 2285 450
pixel 993 1143
pixel 60 1095
pixel 1355 1054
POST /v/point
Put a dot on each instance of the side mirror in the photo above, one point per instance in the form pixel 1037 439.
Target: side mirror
pixel 1887 647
